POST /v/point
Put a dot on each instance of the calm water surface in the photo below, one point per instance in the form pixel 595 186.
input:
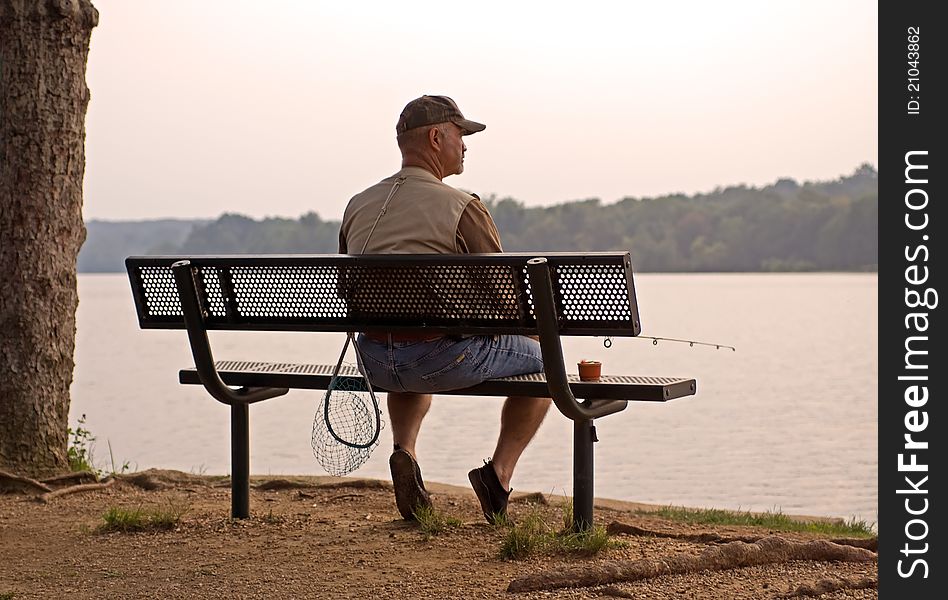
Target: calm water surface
pixel 787 422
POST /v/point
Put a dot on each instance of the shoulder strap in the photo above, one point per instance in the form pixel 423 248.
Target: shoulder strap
pixel 391 194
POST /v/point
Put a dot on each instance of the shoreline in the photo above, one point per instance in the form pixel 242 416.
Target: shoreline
pixel 598 502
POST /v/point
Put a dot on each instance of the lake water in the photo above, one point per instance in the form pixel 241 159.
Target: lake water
pixel 787 422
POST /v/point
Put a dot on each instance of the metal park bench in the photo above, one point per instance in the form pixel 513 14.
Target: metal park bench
pixel 550 295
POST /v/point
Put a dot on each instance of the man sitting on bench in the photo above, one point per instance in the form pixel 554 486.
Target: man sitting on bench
pixel 414 212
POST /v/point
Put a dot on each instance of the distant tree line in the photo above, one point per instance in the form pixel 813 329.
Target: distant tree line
pixel 787 226
pixel 237 234
pixel 109 242
pixel 782 227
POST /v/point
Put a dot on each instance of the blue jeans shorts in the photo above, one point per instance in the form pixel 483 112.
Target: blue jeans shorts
pixel 447 363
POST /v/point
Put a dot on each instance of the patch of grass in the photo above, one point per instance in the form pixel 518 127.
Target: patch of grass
pixel 432 522
pixel 567 513
pixel 122 519
pixel 529 536
pixel 168 518
pixel 138 519
pixel 584 543
pixel 501 520
pixel 7 596
pixel 532 535
pixel 770 520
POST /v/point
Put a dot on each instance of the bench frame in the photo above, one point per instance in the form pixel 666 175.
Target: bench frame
pixel 548 327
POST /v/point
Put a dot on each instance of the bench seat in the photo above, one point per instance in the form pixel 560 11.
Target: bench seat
pixel 317 377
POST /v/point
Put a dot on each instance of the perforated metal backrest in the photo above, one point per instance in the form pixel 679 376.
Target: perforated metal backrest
pixel 473 293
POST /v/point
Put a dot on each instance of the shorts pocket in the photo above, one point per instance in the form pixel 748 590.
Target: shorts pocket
pixel 464 358
pixel 429 352
pixel 481 353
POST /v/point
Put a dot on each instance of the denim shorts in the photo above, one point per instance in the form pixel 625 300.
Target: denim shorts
pixel 447 363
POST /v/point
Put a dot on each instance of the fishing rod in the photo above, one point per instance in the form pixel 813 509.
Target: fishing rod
pixel 608 342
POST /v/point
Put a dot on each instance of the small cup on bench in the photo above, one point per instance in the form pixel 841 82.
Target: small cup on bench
pixel 589 370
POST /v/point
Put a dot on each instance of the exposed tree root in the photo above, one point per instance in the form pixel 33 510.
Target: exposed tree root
pixel 732 555
pixel 159 479
pixel 51 486
pixel 825 586
pixel 17 483
pixel 344 497
pixel 71 479
pixel 712 538
pixel 699 538
pixel 144 480
pixel 867 543
pixel 74 489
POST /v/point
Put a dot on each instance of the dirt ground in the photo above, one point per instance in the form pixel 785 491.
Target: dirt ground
pixel 332 538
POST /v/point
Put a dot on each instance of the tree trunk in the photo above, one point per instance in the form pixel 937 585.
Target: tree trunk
pixel 43 98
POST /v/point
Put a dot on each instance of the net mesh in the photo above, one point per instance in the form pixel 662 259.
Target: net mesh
pixel 346 426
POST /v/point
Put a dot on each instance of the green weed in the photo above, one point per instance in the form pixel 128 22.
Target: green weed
pixel 567 513
pixel 138 519
pixel 584 543
pixel 122 519
pixel 81 449
pixel 525 538
pixel 81 446
pixel 532 535
pixel 501 520
pixel 432 522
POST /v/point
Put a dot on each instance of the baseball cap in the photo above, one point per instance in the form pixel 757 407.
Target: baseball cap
pixel 431 110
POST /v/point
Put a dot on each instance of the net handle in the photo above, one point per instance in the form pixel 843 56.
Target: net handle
pixel 368 384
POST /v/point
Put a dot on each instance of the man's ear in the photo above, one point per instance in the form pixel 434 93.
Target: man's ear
pixel 434 138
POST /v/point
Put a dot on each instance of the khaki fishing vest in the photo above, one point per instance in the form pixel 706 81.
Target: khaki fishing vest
pixel 422 217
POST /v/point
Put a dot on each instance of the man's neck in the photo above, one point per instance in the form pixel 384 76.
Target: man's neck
pixel 421 163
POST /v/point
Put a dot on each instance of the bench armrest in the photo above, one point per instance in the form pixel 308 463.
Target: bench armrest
pixel 541 286
pixel 201 347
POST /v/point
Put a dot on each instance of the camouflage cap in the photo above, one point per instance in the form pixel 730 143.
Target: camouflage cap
pixel 431 110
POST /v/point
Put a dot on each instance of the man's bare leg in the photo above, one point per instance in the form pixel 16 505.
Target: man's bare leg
pixel 406 410
pixel 519 421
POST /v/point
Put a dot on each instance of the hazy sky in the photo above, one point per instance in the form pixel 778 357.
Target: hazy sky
pixel 282 107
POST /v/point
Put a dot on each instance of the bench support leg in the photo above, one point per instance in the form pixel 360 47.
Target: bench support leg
pixel 240 460
pixel 584 434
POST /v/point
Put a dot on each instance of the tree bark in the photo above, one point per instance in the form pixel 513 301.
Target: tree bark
pixel 44 45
